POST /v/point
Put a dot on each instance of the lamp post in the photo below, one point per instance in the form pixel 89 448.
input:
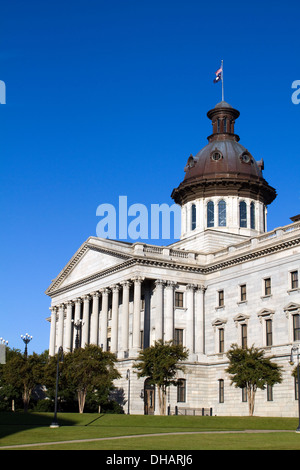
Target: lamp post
pixel 3 345
pixel 77 325
pixel 128 402
pixel 54 423
pixel 26 339
pixel 295 349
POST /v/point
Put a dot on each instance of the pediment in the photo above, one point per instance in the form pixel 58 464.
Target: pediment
pixel 92 258
pixel 291 306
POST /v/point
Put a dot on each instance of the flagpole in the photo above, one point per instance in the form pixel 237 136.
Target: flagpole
pixel 222 82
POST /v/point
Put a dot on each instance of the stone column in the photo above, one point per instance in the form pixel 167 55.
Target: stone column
pixel 86 321
pixel 103 319
pixel 60 335
pixel 137 313
pixel 169 312
pixel 68 335
pixel 190 326
pixel 114 319
pixel 125 317
pixel 200 321
pixel 159 303
pixel 52 331
pixel 95 319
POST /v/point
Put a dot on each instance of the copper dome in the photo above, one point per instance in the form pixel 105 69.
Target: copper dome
pixel 223 166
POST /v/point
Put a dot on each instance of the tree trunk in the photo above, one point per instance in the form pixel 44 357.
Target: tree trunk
pixel 81 399
pixel 26 398
pixel 251 399
pixel 162 400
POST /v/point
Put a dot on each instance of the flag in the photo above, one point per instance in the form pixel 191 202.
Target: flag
pixel 218 75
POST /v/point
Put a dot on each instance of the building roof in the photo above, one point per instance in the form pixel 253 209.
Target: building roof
pixel 223 166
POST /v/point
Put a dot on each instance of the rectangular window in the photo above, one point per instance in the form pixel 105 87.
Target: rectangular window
pixel 296 327
pixel 221 298
pixel 221 340
pixel 178 336
pixel 243 293
pixel 294 280
pixel 181 390
pixel 267 286
pixel 179 299
pixel 244 336
pixel 221 391
pixel 269 336
pixel 269 393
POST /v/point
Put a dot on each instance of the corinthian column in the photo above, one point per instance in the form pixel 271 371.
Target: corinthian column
pixel 159 301
pixel 103 319
pixel 52 331
pixel 95 319
pixel 86 320
pixel 60 336
pixel 68 335
pixel 137 313
pixel 114 319
pixel 169 312
pixel 125 317
pixel 190 320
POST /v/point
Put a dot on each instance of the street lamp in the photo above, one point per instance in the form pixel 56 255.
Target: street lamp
pixel 54 423
pixel 295 349
pixel 26 338
pixel 128 402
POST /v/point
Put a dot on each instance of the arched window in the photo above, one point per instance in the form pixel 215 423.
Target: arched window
pixel 210 214
pixel 225 124
pixel 243 214
pixel 252 215
pixel 194 217
pixel 222 213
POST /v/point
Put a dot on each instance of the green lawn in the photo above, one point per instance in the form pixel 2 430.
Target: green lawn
pixel 19 429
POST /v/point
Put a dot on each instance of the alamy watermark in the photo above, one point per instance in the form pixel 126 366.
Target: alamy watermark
pixel 137 222
pixel 296 94
pixel 2 92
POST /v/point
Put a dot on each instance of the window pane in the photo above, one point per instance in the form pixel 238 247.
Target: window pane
pixel 221 391
pixel 221 298
pixel 244 336
pixel 222 213
pixel 268 286
pixel 221 340
pixel 269 339
pixel 181 390
pixel 243 293
pixel 252 215
pixel 294 280
pixel 243 214
pixel 193 217
pixel 179 299
pixel 296 327
pixel 210 214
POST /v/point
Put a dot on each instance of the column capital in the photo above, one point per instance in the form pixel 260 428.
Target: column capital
pixel 137 279
pixel 126 284
pixel 86 297
pixel 104 291
pixel 191 287
pixel 53 309
pixel 171 284
pixel 69 303
pixel 78 300
pixel 115 288
pixel 95 294
pixel 159 283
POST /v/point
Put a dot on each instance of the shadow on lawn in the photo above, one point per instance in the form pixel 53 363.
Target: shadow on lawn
pixel 11 423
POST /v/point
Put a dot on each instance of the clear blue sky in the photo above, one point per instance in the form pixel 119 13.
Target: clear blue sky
pixel 108 98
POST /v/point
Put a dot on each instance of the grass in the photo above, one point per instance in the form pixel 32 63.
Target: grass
pixel 33 428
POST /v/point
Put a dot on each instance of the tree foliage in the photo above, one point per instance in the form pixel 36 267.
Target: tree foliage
pixel 160 364
pixel 250 369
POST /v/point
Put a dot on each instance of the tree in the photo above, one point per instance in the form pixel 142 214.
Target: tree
pixel 90 369
pixel 160 364
pixel 24 373
pixel 250 369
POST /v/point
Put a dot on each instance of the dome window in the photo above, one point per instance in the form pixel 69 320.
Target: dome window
pixel 216 156
pixel 210 214
pixel 245 158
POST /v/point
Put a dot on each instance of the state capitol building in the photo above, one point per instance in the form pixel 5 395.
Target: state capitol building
pixel 227 280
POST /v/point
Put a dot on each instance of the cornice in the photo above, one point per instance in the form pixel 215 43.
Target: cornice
pixel 179 264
